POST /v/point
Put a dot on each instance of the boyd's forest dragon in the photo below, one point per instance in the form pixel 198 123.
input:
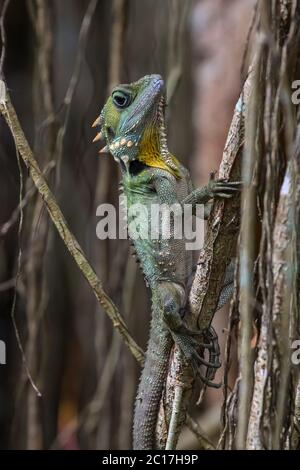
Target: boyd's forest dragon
pixel 132 123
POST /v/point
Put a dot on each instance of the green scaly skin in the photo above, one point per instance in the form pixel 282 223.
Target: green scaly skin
pixel 132 123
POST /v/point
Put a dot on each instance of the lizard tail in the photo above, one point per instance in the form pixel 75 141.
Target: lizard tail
pixel 151 384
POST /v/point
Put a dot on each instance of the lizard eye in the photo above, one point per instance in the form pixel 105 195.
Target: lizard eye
pixel 120 99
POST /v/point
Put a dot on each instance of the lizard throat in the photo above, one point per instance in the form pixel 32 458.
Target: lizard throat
pixel 153 149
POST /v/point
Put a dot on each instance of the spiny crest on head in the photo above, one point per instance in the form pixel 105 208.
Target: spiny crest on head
pixel 164 151
pixel 154 150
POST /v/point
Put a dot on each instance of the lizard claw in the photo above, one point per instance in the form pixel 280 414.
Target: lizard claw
pixel 223 189
pixel 190 349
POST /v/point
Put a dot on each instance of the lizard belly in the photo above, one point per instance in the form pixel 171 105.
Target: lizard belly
pixel 160 259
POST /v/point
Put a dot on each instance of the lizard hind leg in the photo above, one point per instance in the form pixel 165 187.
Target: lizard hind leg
pixel 193 350
pixel 172 300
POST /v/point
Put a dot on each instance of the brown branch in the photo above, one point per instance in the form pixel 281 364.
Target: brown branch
pixel 272 397
pixel 4 228
pixel 284 303
pixel 247 254
pixel 203 441
pixel 3 37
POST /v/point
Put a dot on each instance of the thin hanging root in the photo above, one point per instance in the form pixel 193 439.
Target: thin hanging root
pixel 174 422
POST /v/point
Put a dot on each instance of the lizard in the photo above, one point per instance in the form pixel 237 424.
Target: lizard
pixel 133 125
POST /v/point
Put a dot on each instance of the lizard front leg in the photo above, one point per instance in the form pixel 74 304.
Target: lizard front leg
pixel 203 195
pixel 215 188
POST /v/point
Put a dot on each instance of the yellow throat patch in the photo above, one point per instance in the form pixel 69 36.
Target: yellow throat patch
pixel 149 153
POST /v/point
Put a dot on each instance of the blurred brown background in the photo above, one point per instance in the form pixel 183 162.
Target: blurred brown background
pixel 85 374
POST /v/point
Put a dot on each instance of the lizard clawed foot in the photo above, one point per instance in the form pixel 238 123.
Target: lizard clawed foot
pixel 192 343
pixel 190 347
pixel 223 189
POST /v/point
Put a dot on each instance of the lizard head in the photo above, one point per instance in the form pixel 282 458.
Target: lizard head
pixel 132 123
